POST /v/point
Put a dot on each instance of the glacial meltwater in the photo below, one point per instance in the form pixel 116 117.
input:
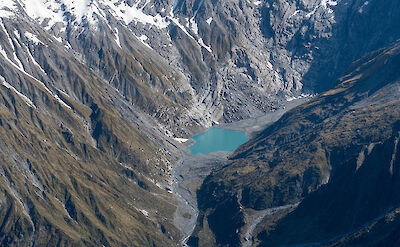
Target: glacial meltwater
pixel 216 139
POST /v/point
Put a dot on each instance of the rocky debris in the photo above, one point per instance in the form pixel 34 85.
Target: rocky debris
pixel 311 155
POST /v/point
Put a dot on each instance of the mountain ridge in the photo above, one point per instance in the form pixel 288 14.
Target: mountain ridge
pixel 315 146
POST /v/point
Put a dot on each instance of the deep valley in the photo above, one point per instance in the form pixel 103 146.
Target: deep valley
pixel 102 100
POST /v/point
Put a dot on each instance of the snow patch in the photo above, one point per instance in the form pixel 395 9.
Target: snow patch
pixel 34 61
pixel 117 38
pixel 50 12
pixel 32 37
pixel 181 140
pixel 269 65
pixel 59 39
pixel 6 8
pixel 144 212
pixel 194 26
pixel 24 98
pixel 3 52
pixel 294 14
pixel 200 41
pixel 301 96
pixel 176 22
pixel 16 33
pixel 12 45
pixel 40 11
pixel 127 14
pixel 18 66
pixel 142 39
pixel 324 4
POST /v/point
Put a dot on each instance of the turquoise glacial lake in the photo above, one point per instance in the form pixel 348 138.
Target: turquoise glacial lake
pixel 216 139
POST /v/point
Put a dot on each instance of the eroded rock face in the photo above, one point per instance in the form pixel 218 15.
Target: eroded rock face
pixel 356 197
pixel 284 47
pixel 211 60
pixel 320 153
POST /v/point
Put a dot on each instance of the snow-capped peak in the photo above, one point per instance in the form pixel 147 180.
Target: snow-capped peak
pixel 7 8
pixel 74 12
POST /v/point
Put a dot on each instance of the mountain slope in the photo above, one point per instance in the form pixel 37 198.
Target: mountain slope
pixel 211 61
pixel 81 165
pixel 344 138
pixel 59 188
pixel 214 61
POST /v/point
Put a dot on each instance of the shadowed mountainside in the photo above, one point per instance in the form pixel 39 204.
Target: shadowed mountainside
pixel 344 138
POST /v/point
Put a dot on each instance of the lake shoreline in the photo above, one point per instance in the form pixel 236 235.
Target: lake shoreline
pixel 190 170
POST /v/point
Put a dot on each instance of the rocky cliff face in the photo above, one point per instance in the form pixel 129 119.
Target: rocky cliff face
pixel 209 61
pixel 337 154
pixel 359 193
pixel 266 51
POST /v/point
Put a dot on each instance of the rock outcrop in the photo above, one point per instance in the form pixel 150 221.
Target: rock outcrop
pixel 336 154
